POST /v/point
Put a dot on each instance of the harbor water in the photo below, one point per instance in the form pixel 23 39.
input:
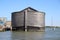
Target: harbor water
pixel 49 34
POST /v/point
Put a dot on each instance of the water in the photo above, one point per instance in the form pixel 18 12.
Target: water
pixel 49 34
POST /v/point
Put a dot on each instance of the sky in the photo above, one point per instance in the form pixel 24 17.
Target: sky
pixel 50 7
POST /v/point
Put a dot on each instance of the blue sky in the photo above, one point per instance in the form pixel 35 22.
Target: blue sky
pixel 50 7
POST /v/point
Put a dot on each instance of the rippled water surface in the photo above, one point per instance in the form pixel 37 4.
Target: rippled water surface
pixel 49 34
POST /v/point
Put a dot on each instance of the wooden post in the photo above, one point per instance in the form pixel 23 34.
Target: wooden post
pixel 25 20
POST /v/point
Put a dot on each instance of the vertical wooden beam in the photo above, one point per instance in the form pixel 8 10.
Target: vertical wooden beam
pixel 25 20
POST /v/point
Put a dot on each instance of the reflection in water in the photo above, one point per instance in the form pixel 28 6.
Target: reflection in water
pixel 47 35
pixel 5 35
pixel 34 35
pixel 27 35
pixel 18 35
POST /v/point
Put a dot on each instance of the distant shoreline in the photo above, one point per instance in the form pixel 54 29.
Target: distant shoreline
pixel 52 26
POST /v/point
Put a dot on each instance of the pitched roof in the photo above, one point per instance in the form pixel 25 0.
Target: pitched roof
pixel 30 8
pixel 27 9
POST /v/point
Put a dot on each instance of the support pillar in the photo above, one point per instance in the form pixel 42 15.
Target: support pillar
pixel 25 20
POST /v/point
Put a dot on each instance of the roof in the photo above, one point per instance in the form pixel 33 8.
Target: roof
pixel 27 9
